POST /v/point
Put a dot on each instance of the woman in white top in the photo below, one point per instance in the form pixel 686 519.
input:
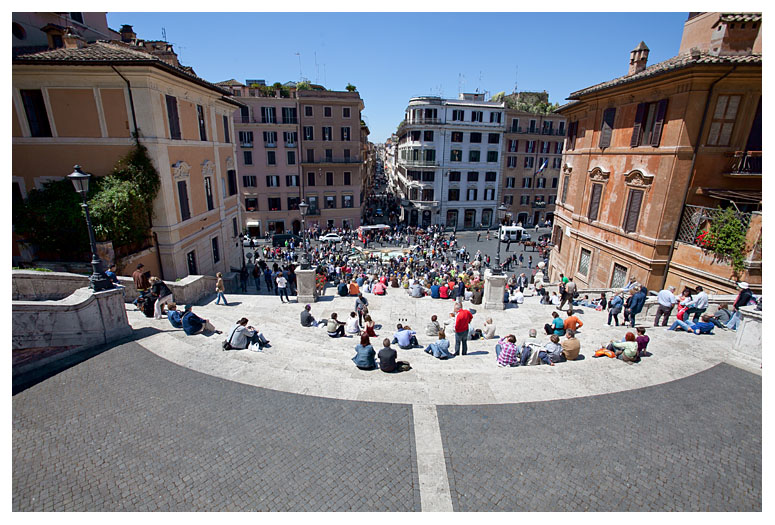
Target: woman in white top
pixel 351 326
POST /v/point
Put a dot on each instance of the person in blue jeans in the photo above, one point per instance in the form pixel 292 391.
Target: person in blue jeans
pixel 173 315
pixel 704 326
pixel 615 308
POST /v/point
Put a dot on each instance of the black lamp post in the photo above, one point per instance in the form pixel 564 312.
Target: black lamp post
pixel 303 208
pixel 98 281
pixel 502 210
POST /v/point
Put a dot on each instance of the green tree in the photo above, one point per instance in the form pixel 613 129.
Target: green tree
pixel 304 85
pixel 118 212
pixel 350 87
pixel 726 238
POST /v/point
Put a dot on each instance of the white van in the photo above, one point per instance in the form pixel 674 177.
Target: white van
pixel 511 233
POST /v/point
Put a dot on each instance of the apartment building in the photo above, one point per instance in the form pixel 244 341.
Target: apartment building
pixel 299 144
pixel 83 103
pixel 448 166
pixel 532 158
pixel 650 156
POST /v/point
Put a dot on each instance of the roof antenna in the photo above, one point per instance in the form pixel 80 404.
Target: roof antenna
pixel 317 69
pixel 516 79
pixel 301 76
pixel 163 34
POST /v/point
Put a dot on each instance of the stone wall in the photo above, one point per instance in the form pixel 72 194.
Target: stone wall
pixel 748 343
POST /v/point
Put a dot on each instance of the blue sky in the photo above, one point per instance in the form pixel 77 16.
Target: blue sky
pixel 392 57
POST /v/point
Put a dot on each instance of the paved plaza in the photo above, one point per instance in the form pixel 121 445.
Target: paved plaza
pixel 170 422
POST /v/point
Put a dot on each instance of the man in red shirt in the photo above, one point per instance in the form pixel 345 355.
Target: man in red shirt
pixel 462 320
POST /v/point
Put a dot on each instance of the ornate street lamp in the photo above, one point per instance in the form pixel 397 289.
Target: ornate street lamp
pixel 502 210
pixel 98 281
pixel 303 208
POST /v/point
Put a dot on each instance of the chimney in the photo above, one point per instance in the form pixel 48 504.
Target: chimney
pixel 72 40
pixel 638 58
pixel 127 34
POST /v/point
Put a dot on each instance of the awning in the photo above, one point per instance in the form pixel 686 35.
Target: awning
pixel 255 224
pixel 747 196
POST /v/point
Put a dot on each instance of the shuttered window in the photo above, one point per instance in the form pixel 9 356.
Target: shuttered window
pixel 226 137
pixel 565 182
pixel 185 212
pixel 607 127
pixel 557 237
pixel 634 200
pixel 200 117
pixel 232 180
pixel 649 121
pixel 172 117
pixel 594 201
pixel 573 129
pixel 584 260
pixel 35 108
pixel 723 120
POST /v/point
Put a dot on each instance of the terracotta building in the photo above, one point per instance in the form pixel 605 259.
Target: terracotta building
pixel 83 102
pixel 294 145
pixel 651 154
pixel 532 157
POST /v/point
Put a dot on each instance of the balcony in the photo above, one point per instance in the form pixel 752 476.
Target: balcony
pixel 424 121
pixel 539 204
pixel 745 163
pixel 246 144
pixel 420 163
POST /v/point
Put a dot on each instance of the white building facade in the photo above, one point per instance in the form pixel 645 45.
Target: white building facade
pixel 448 163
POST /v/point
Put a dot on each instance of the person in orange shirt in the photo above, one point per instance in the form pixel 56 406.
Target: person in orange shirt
pixel 572 322
pixel 354 290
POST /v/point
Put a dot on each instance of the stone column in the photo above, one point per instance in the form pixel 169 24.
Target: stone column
pixel 748 342
pixel 494 288
pixel 305 286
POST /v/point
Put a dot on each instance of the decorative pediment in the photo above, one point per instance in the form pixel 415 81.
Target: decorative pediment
pixel 181 169
pixel 229 163
pixel 598 175
pixel 638 179
pixel 208 168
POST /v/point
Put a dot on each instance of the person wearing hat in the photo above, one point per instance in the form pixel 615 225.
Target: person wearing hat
pixel 743 298
pixel 193 324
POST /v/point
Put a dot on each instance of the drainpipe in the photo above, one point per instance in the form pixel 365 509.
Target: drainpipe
pixel 131 103
pixel 691 171
pixel 158 255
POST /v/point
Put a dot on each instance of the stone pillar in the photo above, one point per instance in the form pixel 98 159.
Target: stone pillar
pixel 494 288
pixel 748 342
pixel 305 286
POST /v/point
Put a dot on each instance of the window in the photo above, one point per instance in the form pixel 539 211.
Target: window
pixel 475 138
pixel 524 199
pixel 289 115
pixel 573 129
pixel 492 156
pixel 292 181
pixel 293 203
pixel 532 128
pixel 456 155
pixel 476 116
pixel 329 155
pixel 345 112
pixel 226 137
pixel 347 178
pixel 607 127
pixel 35 108
pixel 191 261
pixel 249 181
pixel 515 125
pixel 329 178
pixel 495 118
pixel 619 277
pixel 209 193
pixel 545 145
pixel 493 138
pixel 200 116
pixel 414 174
pixel 310 155
pixel 634 200
pixel 584 259
pixel 308 134
pixel 473 176
pixel 330 202
pixel 458 114
pixel 172 117
pixel 310 178
pixel 538 198
pixel 554 182
pixel 290 138
pixel 561 128
pixel 251 204
pixel 565 182
pixel 489 194
pixel 246 139
pixel 723 121
pixel 231 176
pixel 649 120
pixel 327 133
pixel 346 134
pixel 594 201
pixel 556 163
pixel 471 194
pixel 430 155
pixel 185 212
pixel 307 111
pixel 453 194
pixel 474 155
pixel 327 111
pixel 216 252
pixel 274 204
pixel 248 157
pixel 557 148
pixel 550 199
pixel 428 176
pixel 273 181
pixel 457 136
pixel 313 204
pixel 347 155
pixel 489 176
pixel 291 157
pixel 530 146
pixel 541 182
pixel 271 158
pixel 527 182
pixel 428 136
pixel 510 182
pixel 427 195
pixel 270 139
pixel 454 176
pixel 268 115
pixel 508 199
pixel 234 226
pixel 511 162
pixel 414 135
pixel 347 201
pixel 529 162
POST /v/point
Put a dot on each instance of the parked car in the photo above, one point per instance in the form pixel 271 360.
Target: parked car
pixel 525 236
pixel 279 239
pixel 330 237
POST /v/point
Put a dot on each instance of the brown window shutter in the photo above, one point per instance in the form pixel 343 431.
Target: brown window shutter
pixel 658 122
pixel 607 127
pixel 557 240
pixel 638 126
pixel 634 201
pixel 572 134
pixel 594 201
